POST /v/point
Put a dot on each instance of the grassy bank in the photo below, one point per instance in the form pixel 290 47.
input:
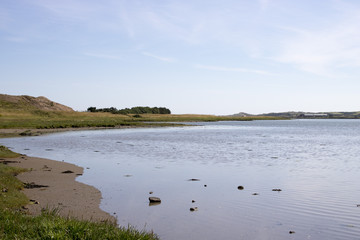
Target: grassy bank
pixel 52 119
pixel 16 224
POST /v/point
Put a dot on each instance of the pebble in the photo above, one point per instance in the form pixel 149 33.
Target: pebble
pixel 192 209
pixel 277 190
pixel 255 194
pixel 151 192
pixel 291 232
pixel 240 187
pixel 193 201
pixel 205 185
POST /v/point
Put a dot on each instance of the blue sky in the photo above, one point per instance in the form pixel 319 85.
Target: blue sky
pixel 208 57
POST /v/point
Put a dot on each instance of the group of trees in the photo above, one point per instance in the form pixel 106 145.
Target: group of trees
pixel 134 110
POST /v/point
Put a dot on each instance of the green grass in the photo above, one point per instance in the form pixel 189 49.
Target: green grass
pixel 10 195
pixel 15 224
pixel 7 153
pixel 50 226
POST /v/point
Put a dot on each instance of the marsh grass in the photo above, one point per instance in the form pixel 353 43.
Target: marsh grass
pixel 54 119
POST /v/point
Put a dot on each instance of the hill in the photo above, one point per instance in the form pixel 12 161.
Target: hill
pixel 305 115
pixel 28 103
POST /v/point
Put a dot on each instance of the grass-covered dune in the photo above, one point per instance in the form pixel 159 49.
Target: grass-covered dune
pixel 16 224
pixel 25 112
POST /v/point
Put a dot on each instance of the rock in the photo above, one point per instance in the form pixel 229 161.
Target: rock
pixel 127 175
pixel 255 194
pixel 34 201
pixel 4 190
pixel 154 199
pixel 240 187
pixel 277 190
pixel 192 209
pixel 193 201
pixel 205 185
pixel 358 205
pixel 291 232
pixel 67 171
pixel 151 192
pixel 194 179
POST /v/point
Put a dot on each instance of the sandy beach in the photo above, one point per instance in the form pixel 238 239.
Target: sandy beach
pixel 51 184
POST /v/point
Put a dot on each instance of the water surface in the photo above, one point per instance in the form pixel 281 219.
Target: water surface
pixel 314 162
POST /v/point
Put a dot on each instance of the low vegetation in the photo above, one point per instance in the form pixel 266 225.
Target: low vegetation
pixel 16 224
pixel 134 110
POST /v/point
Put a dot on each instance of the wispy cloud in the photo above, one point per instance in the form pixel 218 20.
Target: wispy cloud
pixel 104 56
pixel 324 51
pixel 164 59
pixel 15 39
pixel 230 69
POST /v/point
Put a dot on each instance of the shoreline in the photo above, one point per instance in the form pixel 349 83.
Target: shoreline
pixel 52 185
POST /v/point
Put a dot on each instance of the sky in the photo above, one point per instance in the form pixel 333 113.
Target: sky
pixel 198 56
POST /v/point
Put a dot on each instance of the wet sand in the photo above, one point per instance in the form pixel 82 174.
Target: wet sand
pixel 52 184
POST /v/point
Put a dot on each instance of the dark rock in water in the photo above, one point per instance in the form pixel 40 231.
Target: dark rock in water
pixel 151 192
pixel 291 232
pixel 277 190
pixel 67 171
pixel 49 149
pixel 205 185
pixel 194 179
pixel 358 205
pixel 240 187
pixel 255 194
pixel 192 209
pixel 193 201
pixel 127 175
pixel 154 199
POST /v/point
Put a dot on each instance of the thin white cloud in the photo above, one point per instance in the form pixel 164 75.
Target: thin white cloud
pixel 324 51
pixel 15 39
pixel 264 4
pixel 229 69
pixel 164 59
pixel 104 56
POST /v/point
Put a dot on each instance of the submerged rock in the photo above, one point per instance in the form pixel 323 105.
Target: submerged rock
pixel 255 194
pixel 276 190
pixel 192 209
pixel 291 232
pixel 194 179
pixel 154 200
pixel 240 187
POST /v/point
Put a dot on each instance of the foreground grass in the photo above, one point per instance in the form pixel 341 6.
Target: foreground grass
pixel 15 224
pixel 50 226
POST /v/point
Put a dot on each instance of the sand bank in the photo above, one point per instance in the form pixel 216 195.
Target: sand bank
pixel 52 185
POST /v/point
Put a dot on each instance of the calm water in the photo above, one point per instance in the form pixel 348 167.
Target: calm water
pixel 316 163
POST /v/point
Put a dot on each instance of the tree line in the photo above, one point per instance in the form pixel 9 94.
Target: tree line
pixel 133 110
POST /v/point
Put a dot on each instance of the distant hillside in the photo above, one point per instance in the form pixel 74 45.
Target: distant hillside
pixel 304 115
pixel 26 103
